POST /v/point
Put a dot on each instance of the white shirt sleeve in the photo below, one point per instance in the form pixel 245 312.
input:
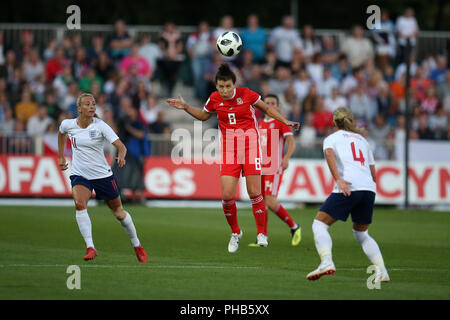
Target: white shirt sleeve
pixel 63 127
pixel 328 143
pixel 107 132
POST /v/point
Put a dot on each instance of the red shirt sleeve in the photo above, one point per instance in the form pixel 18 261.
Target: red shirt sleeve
pixel 285 130
pixel 210 105
pixel 252 96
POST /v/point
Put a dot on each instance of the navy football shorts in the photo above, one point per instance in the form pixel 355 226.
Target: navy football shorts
pixel 105 188
pixel 359 204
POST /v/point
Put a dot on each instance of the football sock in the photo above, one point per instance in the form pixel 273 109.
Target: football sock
pixel 281 212
pixel 370 248
pixel 322 240
pixel 85 226
pixel 128 225
pixel 230 211
pixel 260 214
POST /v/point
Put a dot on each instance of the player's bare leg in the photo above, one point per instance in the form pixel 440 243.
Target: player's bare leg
pixel 323 242
pixel 127 223
pixel 253 183
pixel 81 196
pixel 371 249
pixel 229 187
pixel 273 204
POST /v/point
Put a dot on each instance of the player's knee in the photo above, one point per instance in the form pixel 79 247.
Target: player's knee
pixel 80 204
pixel 227 195
pixel 119 213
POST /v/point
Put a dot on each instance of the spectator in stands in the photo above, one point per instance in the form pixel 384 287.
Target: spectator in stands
pixel 246 64
pixel 423 130
pixel 104 67
pixel 115 97
pixel 25 46
pixel 430 103
pixel 134 135
pixel 18 142
pixel 49 51
pixel 37 124
pixel 407 28
pixel 80 64
pixel 33 66
pixel 170 63
pixel 268 67
pixel 308 134
pixel 61 83
pixel 25 108
pixel 69 101
pixel 56 64
pixel 254 81
pixel 385 40
pixel 335 100
pixel 120 41
pixel 310 43
pixel 360 105
pixel 254 38
pixel 4 103
pixel 200 48
pixel 7 124
pixel 420 84
pixel 357 48
pixel 330 53
pixel 301 84
pixel 315 68
pixel 327 83
pixel 141 95
pixel 149 109
pixel 438 123
pixel 281 81
pixel 401 68
pixel 53 109
pixel 352 81
pixel 341 69
pixel 310 100
pixel 383 100
pixel 322 118
pixel 150 51
pixel 135 60
pixel 11 64
pixel 97 47
pixel 443 92
pixel 91 77
pixel 287 101
pixel 379 131
pixel 160 126
pixel 438 74
pixel 285 40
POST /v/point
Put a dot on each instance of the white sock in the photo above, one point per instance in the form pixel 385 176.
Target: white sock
pixel 128 225
pixel 85 226
pixel 370 248
pixel 322 240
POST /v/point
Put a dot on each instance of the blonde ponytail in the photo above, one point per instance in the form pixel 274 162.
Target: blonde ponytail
pixel 343 119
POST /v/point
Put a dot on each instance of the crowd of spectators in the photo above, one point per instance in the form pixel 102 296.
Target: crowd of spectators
pixel 312 75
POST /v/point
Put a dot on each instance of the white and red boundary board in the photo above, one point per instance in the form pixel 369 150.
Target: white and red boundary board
pixel 303 181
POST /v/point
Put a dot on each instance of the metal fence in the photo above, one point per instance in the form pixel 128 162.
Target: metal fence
pixel 429 42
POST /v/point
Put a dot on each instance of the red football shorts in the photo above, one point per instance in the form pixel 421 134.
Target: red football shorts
pixel 270 184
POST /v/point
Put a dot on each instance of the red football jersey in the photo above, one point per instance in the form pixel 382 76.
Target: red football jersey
pixel 237 123
pixel 273 150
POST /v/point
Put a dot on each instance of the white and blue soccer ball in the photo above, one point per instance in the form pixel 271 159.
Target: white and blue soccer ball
pixel 229 43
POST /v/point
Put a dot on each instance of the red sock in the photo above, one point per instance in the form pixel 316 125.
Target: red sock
pixel 229 208
pixel 284 215
pixel 260 214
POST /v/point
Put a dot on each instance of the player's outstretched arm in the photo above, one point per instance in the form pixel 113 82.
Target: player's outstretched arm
pixel 272 112
pixel 198 114
pixel 122 152
pixel 289 152
pixel 61 160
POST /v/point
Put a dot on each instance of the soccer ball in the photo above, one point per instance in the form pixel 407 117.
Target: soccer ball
pixel 229 44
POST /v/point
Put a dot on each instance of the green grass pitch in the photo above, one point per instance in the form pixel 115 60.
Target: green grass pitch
pixel 189 259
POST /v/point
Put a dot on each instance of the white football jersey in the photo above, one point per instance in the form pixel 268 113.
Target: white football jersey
pixel 88 157
pixel 353 158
